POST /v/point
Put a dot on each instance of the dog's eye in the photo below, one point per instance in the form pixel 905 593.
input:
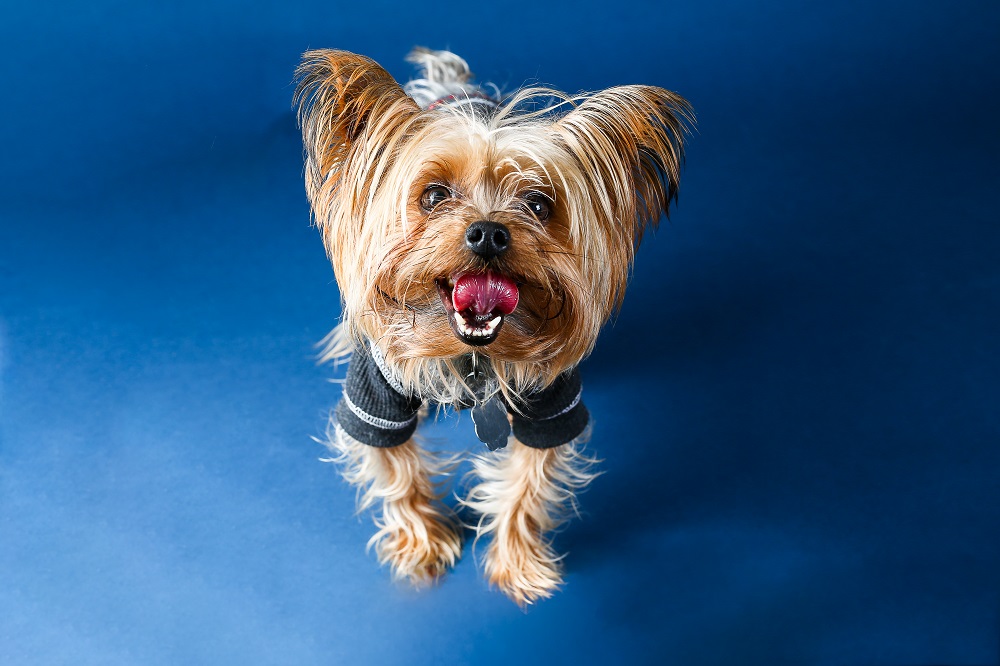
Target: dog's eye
pixel 538 205
pixel 434 195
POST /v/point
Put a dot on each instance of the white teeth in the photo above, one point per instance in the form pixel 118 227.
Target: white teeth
pixel 484 332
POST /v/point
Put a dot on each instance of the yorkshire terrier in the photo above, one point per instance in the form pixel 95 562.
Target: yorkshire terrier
pixel 480 242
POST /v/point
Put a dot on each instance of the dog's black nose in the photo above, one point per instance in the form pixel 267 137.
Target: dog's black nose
pixel 487 239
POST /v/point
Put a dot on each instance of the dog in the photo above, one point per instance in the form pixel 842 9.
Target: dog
pixel 480 241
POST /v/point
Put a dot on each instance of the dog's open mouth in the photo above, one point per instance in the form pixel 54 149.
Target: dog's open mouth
pixel 477 303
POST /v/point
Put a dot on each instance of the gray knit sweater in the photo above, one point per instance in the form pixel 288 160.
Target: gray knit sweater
pixel 377 411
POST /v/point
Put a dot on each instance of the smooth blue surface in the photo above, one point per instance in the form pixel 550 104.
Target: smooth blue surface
pixel 798 405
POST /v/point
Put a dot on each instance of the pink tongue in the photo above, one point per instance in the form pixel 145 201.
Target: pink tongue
pixel 483 293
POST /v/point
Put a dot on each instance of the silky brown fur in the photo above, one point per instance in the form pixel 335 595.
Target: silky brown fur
pixel 522 495
pixel 609 165
pixel 417 537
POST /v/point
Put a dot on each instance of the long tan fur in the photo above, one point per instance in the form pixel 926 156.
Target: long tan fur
pixel 523 494
pixel 609 162
pixel 608 166
pixel 417 537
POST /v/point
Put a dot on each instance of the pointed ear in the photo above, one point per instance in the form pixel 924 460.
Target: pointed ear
pixel 343 97
pixel 630 142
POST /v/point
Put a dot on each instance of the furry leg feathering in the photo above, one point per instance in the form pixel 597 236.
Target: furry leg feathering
pixel 418 537
pixel 523 495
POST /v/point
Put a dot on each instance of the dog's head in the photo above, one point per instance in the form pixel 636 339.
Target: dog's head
pixel 509 235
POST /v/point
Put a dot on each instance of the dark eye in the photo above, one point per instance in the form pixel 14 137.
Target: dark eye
pixel 538 205
pixel 434 195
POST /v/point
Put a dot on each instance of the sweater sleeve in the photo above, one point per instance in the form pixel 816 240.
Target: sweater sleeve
pixel 553 416
pixel 371 410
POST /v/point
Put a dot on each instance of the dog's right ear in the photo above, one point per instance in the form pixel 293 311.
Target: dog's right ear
pixel 344 99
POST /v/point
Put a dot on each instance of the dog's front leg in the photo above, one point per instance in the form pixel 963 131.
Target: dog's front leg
pixel 522 495
pixel 418 537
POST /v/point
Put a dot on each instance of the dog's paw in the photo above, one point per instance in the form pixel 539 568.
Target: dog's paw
pixel 525 569
pixel 418 540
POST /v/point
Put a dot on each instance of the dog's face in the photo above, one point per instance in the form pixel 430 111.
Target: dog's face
pixel 511 235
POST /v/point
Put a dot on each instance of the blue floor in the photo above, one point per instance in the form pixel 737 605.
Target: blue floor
pixel 797 407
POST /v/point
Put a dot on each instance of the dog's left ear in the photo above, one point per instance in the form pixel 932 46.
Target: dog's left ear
pixel 630 142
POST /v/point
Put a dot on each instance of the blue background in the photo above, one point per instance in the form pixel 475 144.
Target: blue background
pixel 797 407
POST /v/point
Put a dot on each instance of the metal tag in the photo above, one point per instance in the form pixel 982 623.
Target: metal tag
pixel 492 425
